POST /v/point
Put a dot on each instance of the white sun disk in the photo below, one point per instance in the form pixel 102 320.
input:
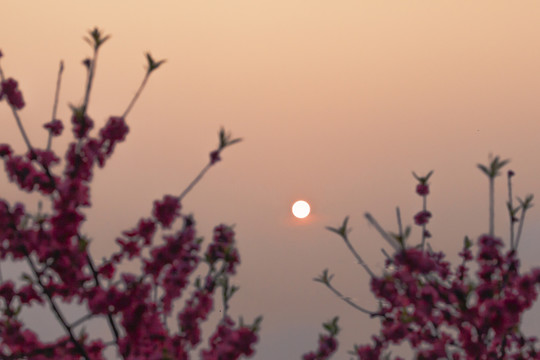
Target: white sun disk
pixel 300 209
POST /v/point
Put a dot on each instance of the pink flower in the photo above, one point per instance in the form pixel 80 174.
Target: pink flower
pixel 55 127
pixel 73 193
pixel 145 229
pixel 14 96
pixel 114 131
pixel 7 291
pixel 394 331
pixel 65 224
pixel 367 352
pixel 167 210
pixel 27 294
pixel 222 248
pixel 45 157
pixel 107 270
pixel 130 247
pixel 22 172
pixel 79 163
pixel 82 124
pixel 422 218
pixel 422 189
pixel 228 343
pixel 214 157
pixel 5 150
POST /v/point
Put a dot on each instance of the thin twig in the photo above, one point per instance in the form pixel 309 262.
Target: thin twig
pixel 137 94
pixel 357 256
pixel 400 227
pixel 55 105
pixel 91 72
pixel 17 118
pixel 110 319
pixel 348 300
pixel 81 320
pixel 383 233
pixel 386 254
pixel 194 182
pixel 511 210
pixel 424 209
pixel 520 227
pixel 57 312
pixel 491 206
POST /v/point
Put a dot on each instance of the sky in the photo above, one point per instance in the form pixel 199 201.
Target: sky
pixel 337 103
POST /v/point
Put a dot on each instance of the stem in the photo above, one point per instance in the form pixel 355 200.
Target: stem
pixel 137 94
pixel 57 311
pixel 91 73
pixel 194 182
pixel 383 233
pixel 386 254
pixel 424 208
pixel 357 256
pixel 511 210
pixel 18 119
pixel 110 319
pixel 23 133
pixel 491 206
pixel 348 300
pixel 55 105
pixel 520 227
pixel 400 227
pixel 81 320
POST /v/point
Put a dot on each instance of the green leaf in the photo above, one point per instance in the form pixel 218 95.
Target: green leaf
pixel 82 243
pixel 407 232
pixel 152 64
pixel 225 139
pixel 166 355
pixel 96 38
pixel 342 230
pixel 423 179
pixel 324 277
pixel 494 167
pixel 27 278
pixel 332 326
pixel 467 243
pixel 527 203
pixel 256 324
pixel 484 169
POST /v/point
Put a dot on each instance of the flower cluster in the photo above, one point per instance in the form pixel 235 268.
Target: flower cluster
pixel 445 312
pixel 230 343
pixel 426 304
pixel 136 306
pixel 327 342
pixel 9 89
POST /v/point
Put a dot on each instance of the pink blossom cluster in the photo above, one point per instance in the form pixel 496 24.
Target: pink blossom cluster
pixel 9 89
pixel 136 306
pixel 328 343
pixel 446 312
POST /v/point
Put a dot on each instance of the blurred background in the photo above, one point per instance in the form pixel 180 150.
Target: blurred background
pixel 337 103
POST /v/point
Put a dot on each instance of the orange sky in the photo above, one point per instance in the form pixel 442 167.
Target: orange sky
pixel 337 102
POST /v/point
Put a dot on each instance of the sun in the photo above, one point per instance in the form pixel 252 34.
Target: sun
pixel 301 209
